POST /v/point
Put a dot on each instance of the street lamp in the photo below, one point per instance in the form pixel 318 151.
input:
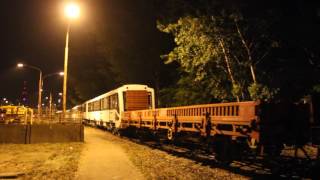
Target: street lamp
pixel 51 74
pixel 43 78
pixel 72 11
pixel 21 65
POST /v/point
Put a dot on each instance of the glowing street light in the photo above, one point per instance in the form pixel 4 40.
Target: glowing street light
pixel 52 74
pixel 72 11
pixel 41 79
pixel 20 65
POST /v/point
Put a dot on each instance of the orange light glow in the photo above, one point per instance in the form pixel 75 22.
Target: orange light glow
pixel 72 10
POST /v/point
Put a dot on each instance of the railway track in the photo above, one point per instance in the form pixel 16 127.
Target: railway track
pixel 249 164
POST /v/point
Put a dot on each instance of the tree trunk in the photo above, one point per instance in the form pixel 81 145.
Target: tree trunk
pixel 157 88
pixel 226 58
pixel 253 74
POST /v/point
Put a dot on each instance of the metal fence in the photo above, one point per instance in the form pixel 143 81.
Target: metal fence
pixel 56 119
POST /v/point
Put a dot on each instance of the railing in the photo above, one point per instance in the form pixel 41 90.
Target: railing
pixel 58 118
pixel 231 119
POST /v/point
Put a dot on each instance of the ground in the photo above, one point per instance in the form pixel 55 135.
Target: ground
pixel 152 163
pixel 40 161
pixel 106 156
pixel 158 164
pixel 102 158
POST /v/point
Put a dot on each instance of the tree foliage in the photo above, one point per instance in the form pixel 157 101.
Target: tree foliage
pixel 239 51
pixel 213 52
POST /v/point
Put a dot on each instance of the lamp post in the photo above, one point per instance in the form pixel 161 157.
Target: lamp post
pixel 49 75
pixel 46 76
pixel 72 11
pixel 20 65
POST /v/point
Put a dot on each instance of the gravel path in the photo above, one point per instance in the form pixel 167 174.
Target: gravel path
pixel 103 159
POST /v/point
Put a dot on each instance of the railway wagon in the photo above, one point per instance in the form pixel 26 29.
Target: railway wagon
pixel 224 126
pixel 107 109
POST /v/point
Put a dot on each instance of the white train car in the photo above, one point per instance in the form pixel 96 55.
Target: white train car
pixel 107 109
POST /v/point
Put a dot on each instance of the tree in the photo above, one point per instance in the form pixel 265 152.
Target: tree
pixel 210 44
pixel 199 53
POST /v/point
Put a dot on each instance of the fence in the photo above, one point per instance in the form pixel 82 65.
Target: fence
pixel 41 133
pixel 57 119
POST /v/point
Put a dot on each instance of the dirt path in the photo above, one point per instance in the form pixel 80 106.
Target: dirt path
pixel 102 159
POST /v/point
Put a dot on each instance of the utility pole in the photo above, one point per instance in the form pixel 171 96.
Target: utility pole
pixel 50 106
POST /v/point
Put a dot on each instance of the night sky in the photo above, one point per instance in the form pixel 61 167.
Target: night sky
pixel 33 32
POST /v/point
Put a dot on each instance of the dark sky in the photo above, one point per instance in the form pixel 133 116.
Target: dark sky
pixel 33 32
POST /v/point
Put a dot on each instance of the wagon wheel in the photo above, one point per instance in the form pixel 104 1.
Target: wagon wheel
pixel 116 132
pixel 170 134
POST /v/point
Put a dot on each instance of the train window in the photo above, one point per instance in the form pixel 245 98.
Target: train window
pixel 89 107
pixel 108 102
pixel 96 106
pixel 111 102
pixel 114 102
pixel 102 103
pixel 105 103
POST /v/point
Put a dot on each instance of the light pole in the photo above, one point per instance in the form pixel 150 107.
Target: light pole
pixel 49 75
pixel 72 11
pixel 20 65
